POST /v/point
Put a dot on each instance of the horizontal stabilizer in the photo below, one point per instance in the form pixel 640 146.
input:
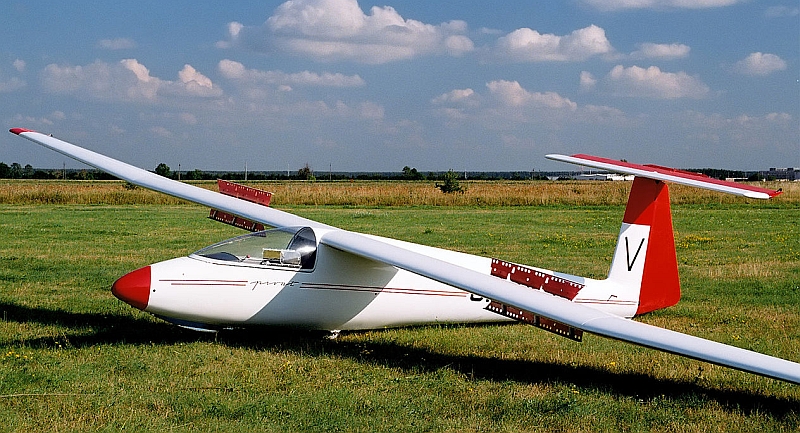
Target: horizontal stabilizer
pixel 667 174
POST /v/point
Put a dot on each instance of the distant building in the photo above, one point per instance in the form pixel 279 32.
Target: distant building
pixel 791 173
pixel 604 176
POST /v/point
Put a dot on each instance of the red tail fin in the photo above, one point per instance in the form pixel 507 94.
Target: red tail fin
pixel 645 255
pixel 649 204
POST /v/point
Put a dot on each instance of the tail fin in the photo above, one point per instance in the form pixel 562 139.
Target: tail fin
pixel 644 263
pixel 645 269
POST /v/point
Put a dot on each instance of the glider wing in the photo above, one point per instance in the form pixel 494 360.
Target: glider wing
pixel 562 310
pixel 252 211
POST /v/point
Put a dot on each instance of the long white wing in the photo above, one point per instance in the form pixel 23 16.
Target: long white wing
pixel 490 287
pixel 146 179
pixel 562 310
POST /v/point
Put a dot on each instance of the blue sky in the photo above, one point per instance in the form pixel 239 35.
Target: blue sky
pixel 375 86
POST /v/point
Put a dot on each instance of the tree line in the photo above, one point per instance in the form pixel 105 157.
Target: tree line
pixel 17 171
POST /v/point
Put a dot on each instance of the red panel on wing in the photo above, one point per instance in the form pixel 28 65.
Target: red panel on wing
pixel 244 192
pixel 536 279
pixel 233 220
pixel 536 320
pixel 501 269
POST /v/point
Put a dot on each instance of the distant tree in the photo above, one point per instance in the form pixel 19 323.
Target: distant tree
pixel 16 171
pixel 412 174
pixel 195 174
pixel 305 173
pixel 27 172
pixel 83 175
pixel 5 170
pixel 163 170
pixel 450 183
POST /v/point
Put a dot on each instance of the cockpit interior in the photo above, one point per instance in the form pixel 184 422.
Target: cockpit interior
pixel 286 247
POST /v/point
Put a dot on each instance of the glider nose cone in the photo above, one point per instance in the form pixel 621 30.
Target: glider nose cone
pixel 134 288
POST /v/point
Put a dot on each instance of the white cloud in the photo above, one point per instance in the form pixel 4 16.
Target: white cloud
pixel 237 71
pixel 458 96
pixel 161 132
pixel 611 5
pixel 526 45
pixel 508 106
pixel 271 94
pixel 760 64
pixel 661 51
pixel 116 44
pixel 746 132
pixel 588 81
pixel 653 83
pixel 127 80
pixel 512 94
pixel 334 30
pixel 196 84
pixel 313 111
pixel 371 110
pixel 188 118
pixel 10 84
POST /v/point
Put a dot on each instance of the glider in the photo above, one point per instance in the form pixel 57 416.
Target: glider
pixel 306 274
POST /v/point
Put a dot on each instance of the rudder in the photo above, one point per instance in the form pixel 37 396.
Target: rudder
pixel 645 259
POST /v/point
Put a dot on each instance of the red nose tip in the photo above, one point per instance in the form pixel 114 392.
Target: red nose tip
pixel 134 288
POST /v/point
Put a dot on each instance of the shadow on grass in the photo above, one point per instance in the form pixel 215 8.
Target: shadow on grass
pixel 91 329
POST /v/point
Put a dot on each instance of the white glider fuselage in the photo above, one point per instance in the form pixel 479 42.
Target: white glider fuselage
pixel 341 292
pixel 338 291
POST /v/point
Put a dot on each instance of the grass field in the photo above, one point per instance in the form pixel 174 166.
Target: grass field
pixel 73 358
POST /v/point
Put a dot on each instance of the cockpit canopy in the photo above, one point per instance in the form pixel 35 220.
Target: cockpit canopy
pixel 287 247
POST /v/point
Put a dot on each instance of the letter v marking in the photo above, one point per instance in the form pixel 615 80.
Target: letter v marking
pixel 628 253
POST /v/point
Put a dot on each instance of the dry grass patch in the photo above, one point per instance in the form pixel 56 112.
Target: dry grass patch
pixel 376 193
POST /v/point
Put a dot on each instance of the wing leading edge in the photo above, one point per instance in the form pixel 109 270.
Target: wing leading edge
pixel 268 216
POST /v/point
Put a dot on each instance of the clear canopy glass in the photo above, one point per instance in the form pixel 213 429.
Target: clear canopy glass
pixel 291 247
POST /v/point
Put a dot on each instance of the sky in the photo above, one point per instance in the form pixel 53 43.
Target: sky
pixel 348 85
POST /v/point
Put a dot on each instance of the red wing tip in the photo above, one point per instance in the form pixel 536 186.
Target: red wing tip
pixel 19 131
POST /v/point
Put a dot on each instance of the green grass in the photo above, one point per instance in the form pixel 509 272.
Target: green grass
pixel 72 357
